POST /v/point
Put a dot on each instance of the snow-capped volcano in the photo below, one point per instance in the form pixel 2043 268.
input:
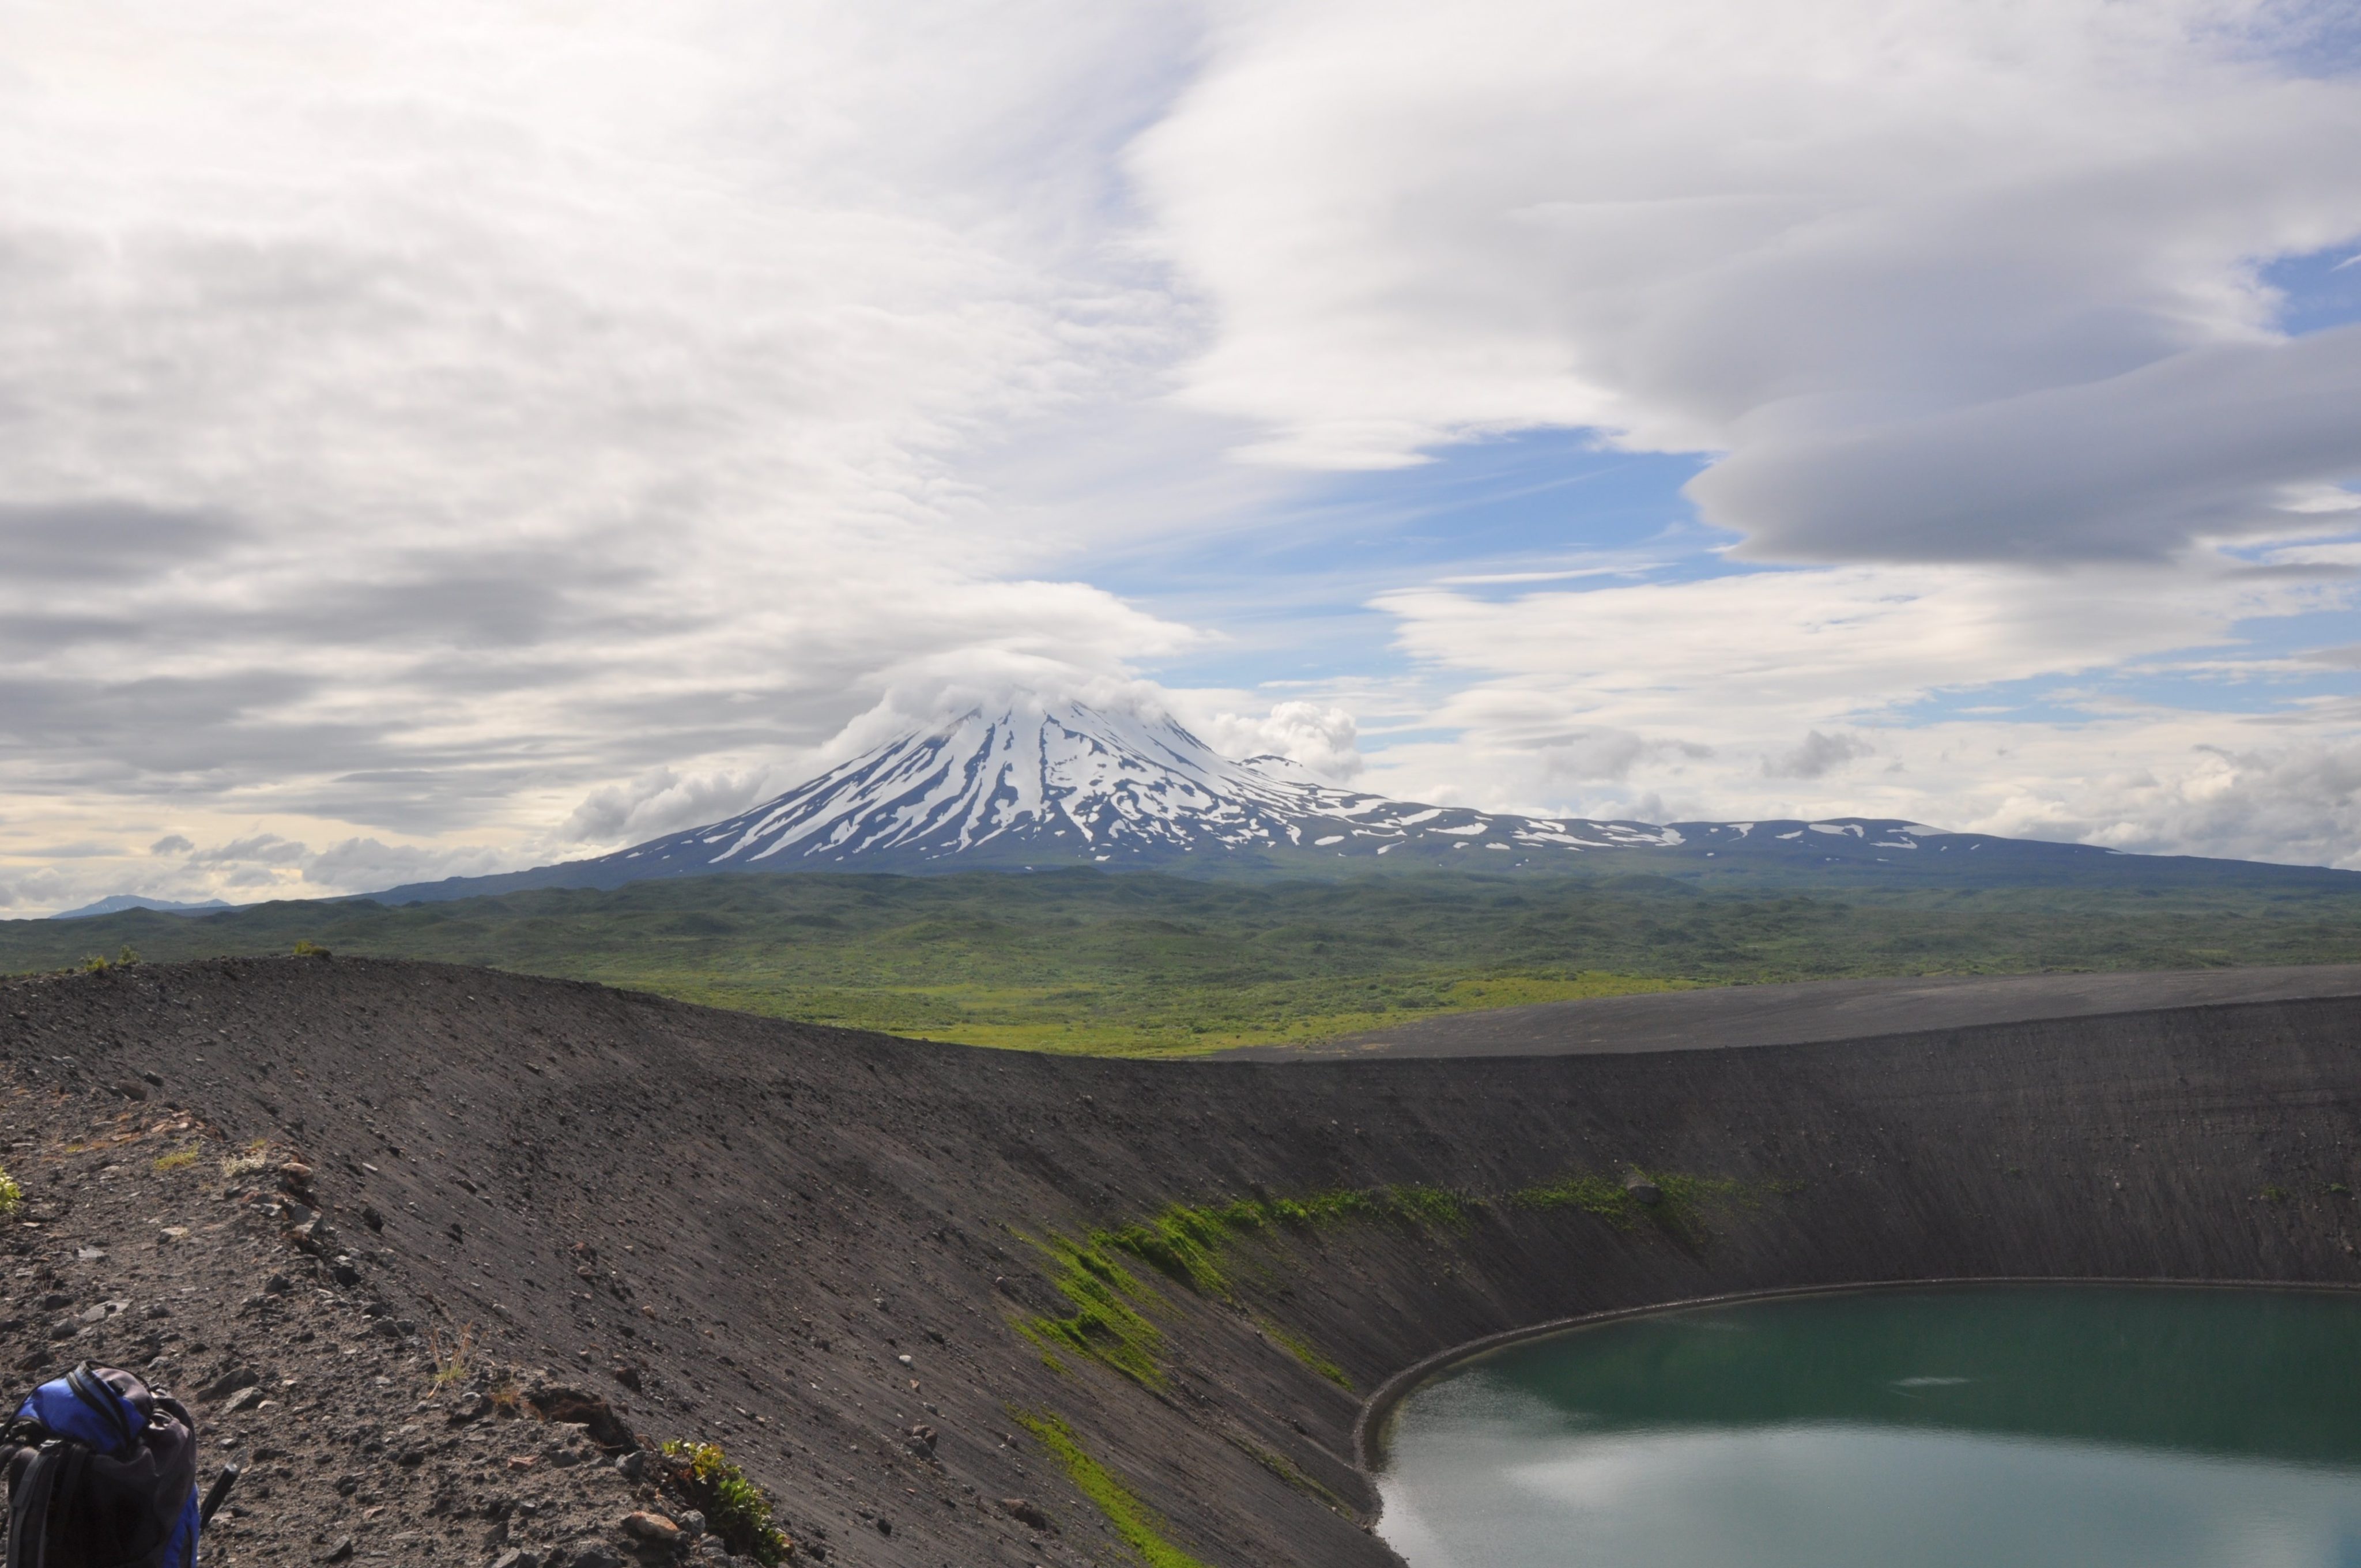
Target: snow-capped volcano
pixel 1068 782
pixel 1041 784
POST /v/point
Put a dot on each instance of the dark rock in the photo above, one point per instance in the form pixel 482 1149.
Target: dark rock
pixel 584 1409
pixel 1645 1190
pixel 1025 1511
pixel 342 1550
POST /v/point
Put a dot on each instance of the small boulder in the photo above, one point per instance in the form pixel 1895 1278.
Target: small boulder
pixel 652 1528
pixel 1024 1510
pixel 1643 1189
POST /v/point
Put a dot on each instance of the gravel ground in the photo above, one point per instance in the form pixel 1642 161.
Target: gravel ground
pixel 431 1249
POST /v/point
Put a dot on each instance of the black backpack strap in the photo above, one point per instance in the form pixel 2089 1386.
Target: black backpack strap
pixel 28 1507
pixel 102 1401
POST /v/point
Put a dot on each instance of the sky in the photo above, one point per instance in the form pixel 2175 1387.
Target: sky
pixel 447 438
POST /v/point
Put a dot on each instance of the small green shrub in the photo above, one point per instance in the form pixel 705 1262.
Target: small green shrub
pixel 96 964
pixel 178 1159
pixel 308 949
pixel 128 956
pixel 734 1507
pixel 456 1362
pixel 10 1194
pixel 2274 1193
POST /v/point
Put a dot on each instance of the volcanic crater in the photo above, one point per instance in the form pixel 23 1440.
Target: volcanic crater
pixel 438 1253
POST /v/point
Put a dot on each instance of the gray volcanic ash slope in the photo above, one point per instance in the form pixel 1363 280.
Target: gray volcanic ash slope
pixel 1034 786
pixel 887 1275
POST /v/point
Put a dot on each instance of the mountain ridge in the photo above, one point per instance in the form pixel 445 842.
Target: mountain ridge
pixel 1039 784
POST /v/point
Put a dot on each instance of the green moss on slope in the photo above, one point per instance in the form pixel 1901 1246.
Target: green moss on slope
pixel 1105 1325
pixel 1134 1520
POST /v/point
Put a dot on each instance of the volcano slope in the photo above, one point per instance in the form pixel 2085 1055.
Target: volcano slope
pixel 1141 1302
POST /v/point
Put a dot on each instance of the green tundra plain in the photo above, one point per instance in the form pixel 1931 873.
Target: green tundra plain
pixel 1141 963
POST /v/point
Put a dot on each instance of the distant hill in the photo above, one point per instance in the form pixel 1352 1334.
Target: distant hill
pixel 115 904
pixel 1036 785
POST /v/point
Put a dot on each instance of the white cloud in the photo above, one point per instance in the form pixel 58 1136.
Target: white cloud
pixel 1834 690
pixel 1945 280
pixel 1816 756
pixel 258 850
pixel 415 424
pixel 460 435
pixel 1323 737
pixel 661 801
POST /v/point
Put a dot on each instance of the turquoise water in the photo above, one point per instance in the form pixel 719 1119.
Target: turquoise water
pixel 1985 1427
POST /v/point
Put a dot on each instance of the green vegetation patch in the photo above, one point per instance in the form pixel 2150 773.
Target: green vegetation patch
pixel 734 1507
pixel 1304 1351
pixel 1192 1244
pixel 1105 1325
pixel 1143 963
pixel 1135 1521
pixel 1686 1206
pixel 1289 1471
pixel 11 1195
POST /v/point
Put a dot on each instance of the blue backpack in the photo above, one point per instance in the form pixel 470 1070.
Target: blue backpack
pixel 102 1473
